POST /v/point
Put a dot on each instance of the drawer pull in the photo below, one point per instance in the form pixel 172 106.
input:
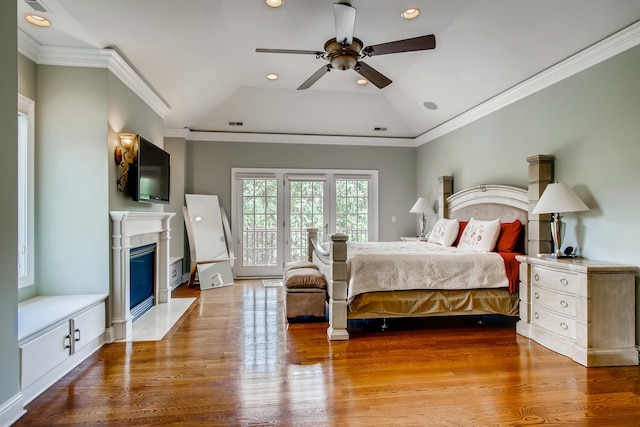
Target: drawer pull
pixel 68 337
pixel 564 281
pixel 536 277
pixel 174 273
pixel 77 331
pixel 564 304
pixel 536 295
pixel 564 326
pixel 536 315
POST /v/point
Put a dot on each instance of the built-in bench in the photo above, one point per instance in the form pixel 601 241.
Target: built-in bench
pixel 55 334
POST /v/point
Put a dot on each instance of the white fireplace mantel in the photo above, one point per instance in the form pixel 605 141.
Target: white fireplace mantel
pixel 130 230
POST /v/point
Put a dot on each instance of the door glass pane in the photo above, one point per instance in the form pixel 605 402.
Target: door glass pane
pixel 259 221
pixel 307 210
pixel 352 208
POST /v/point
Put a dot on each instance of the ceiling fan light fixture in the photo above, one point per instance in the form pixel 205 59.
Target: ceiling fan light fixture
pixel 343 57
pixel 38 20
pixel 274 3
pixel 362 82
pixel 411 13
pixel 272 76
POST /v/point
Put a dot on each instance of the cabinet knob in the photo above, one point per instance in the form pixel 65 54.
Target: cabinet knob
pixel 536 295
pixel 536 277
pixel 564 304
pixel 564 281
pixel 564 326
pixel 536 315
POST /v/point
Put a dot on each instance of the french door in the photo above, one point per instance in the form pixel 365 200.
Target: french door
pixel 272 209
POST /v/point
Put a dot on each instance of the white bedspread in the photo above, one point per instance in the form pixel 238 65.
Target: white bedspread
pixel 388 266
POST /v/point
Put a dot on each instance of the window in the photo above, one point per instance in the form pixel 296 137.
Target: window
pixel 25 192
pixel 272 209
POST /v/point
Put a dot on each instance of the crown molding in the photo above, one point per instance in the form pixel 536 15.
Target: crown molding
pixel 284 138
pixel 28 46
pixel 93 58
pixel 617 43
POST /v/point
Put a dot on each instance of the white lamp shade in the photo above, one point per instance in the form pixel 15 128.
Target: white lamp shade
pixel 421 206
pixel 557 198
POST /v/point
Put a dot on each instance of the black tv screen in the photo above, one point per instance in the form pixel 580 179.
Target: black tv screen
pixel 150 176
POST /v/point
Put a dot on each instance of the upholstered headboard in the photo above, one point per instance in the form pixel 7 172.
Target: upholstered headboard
pixel 488 202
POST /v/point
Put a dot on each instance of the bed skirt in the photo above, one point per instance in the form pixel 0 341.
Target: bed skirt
pixel 421 303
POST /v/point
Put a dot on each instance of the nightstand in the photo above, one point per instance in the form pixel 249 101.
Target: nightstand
pixel 579 308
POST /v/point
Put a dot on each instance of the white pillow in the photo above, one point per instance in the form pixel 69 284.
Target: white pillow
pixel 444 232
pixel 480 236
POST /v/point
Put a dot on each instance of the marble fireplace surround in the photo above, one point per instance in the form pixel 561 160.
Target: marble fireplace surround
pixel 130 230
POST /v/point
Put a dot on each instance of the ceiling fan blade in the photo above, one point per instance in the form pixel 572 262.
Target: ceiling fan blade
pixel 373 75
pixel 315 77
pixel 301 52
pixel 407 45
pixel 345 17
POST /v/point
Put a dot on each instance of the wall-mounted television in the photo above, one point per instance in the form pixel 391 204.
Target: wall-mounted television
pixel 150 174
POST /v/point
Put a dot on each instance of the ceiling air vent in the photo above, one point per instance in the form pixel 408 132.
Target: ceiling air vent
pixel 377 129
pixel 37 5
pixel 236 124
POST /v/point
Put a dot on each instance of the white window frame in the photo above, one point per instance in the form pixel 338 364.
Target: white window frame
pixel 26 188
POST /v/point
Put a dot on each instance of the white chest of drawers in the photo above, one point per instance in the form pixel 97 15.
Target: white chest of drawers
pixel 579 308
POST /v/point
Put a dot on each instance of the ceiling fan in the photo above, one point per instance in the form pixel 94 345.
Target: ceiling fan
pixel 345 51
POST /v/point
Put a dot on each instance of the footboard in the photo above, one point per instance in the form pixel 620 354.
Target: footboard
pixel 333 264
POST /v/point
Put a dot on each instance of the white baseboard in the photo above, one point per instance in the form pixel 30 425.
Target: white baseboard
pixel 11 410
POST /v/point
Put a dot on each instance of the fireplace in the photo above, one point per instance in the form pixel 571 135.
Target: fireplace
pixel 142 265
pixel 130 231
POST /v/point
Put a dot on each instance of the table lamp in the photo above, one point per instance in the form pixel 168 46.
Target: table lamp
pixel 421 206
pixel 558 198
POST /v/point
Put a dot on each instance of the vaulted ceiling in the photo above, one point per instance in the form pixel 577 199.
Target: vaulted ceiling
pixel 199 56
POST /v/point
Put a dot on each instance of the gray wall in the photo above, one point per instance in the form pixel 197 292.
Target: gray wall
pixel 9 367
pixel 177 147
pixel 72 230
pixel 591 123
pixel 209 172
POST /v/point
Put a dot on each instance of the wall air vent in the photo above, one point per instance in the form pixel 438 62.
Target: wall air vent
pixel 37 5
pixel 377 129
pixel 236 124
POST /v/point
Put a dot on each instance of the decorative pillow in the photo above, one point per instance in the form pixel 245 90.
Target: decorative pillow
pixel 299 264
pixel 304 278
pixel 463 225
pixel 444 232
pixel 509 236
pixel 480 236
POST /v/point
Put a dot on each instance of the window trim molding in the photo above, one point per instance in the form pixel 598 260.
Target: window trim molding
pixel 27 106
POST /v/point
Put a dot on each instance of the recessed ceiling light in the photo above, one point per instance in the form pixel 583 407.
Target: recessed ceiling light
pixel 272 76
pixel 362 81
pixel 430 105
pixel 274 3
pixel 38 20
pixel 410 13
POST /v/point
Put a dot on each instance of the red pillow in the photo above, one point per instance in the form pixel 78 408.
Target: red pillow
pixel 463 225
pixel 509 236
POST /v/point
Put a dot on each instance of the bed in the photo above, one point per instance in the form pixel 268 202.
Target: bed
pixel 393 279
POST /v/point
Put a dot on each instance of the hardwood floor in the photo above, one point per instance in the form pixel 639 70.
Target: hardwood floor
pixel 231 360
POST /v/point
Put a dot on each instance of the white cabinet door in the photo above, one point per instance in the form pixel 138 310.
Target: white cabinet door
pixel 44 353
pixel 88 326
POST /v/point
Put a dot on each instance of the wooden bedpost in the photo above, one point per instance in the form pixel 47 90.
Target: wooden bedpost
pixel 540 175
pixel 337 289
pixel 445 189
